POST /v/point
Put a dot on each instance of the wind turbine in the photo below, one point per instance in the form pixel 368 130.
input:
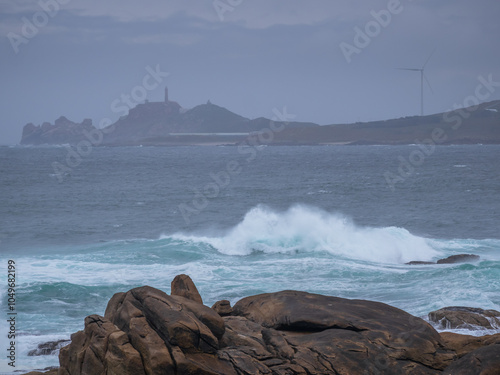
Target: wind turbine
pixel 422 76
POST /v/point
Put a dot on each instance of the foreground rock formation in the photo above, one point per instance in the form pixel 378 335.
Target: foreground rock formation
pixel 146 331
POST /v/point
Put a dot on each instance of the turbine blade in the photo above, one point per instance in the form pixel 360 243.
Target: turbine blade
pixel 412 69
pixel 426 61
pixel 428 83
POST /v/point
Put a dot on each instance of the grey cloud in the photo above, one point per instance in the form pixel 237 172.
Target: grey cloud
pixel 264 54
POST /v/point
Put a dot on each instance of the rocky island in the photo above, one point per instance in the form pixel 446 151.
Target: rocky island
pixel 157 123
pixel 146 331
pixel 167 123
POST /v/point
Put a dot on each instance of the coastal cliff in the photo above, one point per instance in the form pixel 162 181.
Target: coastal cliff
pixel 146 331
pixel 167 123
pixel 61 132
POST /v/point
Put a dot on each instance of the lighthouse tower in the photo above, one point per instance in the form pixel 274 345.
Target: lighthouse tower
pixel 171 107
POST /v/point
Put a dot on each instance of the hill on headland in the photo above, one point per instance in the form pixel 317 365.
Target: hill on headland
pixel 472 125
pixel 167 123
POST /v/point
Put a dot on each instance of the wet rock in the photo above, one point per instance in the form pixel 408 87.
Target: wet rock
pixel 465 317
pixel 48 348
pixel 460 258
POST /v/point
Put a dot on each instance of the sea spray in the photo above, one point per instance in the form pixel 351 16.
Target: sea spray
pixel 309 229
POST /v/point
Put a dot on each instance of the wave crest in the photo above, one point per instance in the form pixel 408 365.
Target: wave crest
pixel 309 229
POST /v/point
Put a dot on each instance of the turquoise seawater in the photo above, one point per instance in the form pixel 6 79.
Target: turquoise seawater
pixel 318 219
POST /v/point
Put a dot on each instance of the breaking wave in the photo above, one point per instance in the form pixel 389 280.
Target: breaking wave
pixel 308 229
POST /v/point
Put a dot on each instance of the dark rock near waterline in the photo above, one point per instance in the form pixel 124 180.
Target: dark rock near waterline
pixel 183 286
pixel 223 307
pixel 465 317
pixel 460 258
pixel 145 331
pixel 48 348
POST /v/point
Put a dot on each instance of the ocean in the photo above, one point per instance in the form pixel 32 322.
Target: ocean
pixel 335 220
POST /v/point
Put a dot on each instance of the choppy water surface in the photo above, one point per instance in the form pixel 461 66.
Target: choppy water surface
pixel 319 219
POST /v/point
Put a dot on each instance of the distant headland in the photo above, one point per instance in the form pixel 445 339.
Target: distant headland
pixel 168 124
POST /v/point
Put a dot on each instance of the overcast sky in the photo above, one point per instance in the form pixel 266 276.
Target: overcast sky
pixel 77 57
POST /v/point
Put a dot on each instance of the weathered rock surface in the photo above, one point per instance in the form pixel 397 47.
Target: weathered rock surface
pixel 145 331
pixel 465 317
pixel 354 332
pixel 463 344
pixel 183 286
pixel 482 361
pixel 223 307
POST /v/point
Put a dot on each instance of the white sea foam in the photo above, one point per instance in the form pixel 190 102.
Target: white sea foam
pixel 303 228
pixel 88 273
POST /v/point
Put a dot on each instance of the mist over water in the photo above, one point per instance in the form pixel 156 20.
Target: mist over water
pixel 318 219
